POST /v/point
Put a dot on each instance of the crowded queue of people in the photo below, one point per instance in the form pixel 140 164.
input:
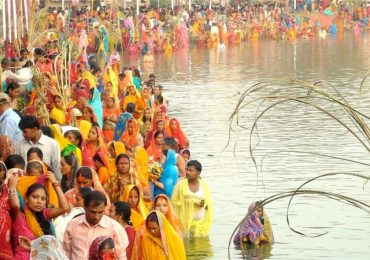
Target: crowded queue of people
pixel 107 176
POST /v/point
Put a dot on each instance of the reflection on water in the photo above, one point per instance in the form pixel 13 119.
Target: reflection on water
pixel 256 253
pixel 198 248
pixel 204 86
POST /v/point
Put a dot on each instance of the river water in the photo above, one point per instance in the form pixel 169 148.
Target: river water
pixel 204 87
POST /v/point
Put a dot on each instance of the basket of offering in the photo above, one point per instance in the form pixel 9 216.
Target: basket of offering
pixel 155 170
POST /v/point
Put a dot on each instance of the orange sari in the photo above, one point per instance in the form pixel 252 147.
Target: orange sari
pixel 110 116
pixel 134 139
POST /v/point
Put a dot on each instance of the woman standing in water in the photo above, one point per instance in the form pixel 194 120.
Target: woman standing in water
pixel 256 230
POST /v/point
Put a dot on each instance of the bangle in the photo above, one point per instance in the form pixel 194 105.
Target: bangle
pixel 12 192
pixel 56 184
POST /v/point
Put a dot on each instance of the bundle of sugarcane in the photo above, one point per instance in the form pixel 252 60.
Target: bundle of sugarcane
pixel 40 101
pixel 63 77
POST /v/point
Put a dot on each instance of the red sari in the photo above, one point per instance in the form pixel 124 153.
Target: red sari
pixel 89 150
pixel 5 226
pixel 177 133
pixel 110 115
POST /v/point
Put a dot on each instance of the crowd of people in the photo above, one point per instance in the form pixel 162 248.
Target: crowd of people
pixel 103 173
pixel 103 30
pixel 92 165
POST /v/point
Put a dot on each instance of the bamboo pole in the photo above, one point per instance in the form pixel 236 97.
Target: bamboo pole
pixel 4 20
pixel 26 13
pixel 9 22
pixel 15 28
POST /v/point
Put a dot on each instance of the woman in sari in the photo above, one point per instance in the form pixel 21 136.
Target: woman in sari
pixel 131 97
pixel 132 138
pixel 155 148
pixel 6 147
pixel 163 204
pixel 88 114
pixel 94 143
pixel 111 113
pixel 85 177
pixel 169 176
pixel 159 125
pixel 102 248
pixel 121 212
pixel 256 230
pixel 160 240
pixel 174 130
pixel 136 79
pixel 70 143
pixel 96 104
pixel 58 113
pixel 101 166
pixel 34 220
pixel 133 196
pixel 142 102
pixel 68 168
pixel 5 219
pixel 145 123
pixel 115 148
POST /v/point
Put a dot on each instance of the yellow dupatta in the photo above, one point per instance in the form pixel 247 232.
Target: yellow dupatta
pixel 139 214
pixel 171 214
pixel 142 162
pixel 64 142
pixel 58 115
pixel 183 205
pixel 119 148
pixel 168 247
pixel 84 127
pixel 23 184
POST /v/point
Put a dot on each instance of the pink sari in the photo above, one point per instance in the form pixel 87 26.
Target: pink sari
pixel 20 228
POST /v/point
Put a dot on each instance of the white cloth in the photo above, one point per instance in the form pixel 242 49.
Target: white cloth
pixel 61 222
pixel 50 149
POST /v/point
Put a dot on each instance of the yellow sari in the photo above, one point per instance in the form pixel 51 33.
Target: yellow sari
pixel 119 148
pixel 168 247
pixel 184 208
pixel 142 162
pixel 58 115
pixel 84 127
pixel 138 214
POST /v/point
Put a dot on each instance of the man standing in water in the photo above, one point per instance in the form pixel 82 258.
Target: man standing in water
pixel 192 202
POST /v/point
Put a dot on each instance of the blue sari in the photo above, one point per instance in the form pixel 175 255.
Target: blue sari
pixel 121 125
pixel 96 104
pixel 169 176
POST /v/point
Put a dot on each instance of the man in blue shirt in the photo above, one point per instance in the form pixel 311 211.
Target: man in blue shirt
pixel 9 120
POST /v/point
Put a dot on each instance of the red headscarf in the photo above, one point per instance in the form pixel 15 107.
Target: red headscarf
pixel 94 248
pixel 177 133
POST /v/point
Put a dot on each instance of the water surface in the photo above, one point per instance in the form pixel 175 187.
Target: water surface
pixel 204 86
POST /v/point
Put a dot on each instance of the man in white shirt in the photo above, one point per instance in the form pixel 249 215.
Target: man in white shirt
pixel 33 137
pixel 9 120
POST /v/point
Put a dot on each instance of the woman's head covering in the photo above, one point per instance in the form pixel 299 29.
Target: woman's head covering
pixel 177 133
pixel 171 215
pixel 140 208
pixel 94 248
pixel 171 242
